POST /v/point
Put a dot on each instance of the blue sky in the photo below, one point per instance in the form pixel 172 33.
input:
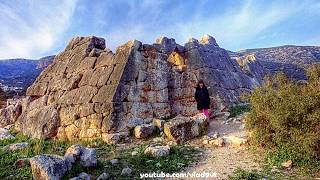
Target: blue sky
pixel 36 28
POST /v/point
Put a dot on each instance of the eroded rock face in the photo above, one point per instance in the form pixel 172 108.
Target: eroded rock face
pixel 89 92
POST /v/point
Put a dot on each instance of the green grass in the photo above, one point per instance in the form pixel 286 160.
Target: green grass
pixel 267 173
pixel 238 110
pixel 240 174
pixel 179 158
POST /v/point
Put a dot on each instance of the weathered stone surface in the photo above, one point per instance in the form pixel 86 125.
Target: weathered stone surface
pixel 133 122
pixel 10 114
pixel 87 157
pixel 39 123
pixel 126 172
pixel 114 161
pixel 89 92
pixel 182 129
pixel 104 176
pixel 5 134
pixel 143 131
pixel 15 146
pixel 48 167
pixel 158 151
pixel 114 138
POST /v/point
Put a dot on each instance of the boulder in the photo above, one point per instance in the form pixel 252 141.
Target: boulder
pixel 48 167
pixel 15 146
pixel 184 128
pixel 87 157
pixel 10 114
pixel 134 153
pixel 115 138
pixel 126 172
pixel 104 176
pixel 143 131
pixel 158 151
pixel 42 122
pixel 114 162
pixel 5 134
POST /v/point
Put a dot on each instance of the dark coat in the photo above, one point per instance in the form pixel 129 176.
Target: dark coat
pixel 202 98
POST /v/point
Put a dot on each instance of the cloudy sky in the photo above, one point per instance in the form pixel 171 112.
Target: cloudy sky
pixel 36 28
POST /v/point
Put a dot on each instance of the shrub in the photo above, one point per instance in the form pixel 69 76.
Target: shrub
pixel 239 109
pixel 285 119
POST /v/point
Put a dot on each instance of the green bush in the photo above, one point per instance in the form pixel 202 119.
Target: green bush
pixel 239 109
pixel 285 119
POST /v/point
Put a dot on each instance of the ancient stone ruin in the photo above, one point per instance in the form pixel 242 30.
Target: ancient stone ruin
pixel 89 92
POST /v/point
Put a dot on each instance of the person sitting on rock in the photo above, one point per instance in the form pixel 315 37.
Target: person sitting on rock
pixel 202 98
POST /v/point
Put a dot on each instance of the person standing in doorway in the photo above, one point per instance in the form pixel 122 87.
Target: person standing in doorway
pixel 202 98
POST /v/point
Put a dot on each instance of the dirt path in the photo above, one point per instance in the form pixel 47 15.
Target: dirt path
pixel 224 160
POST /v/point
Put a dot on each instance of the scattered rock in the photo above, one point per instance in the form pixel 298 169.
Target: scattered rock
pixel 114 162
pixel 115 138
pixel 134 153
pixel 86 156
pixel 126 172
pixel 5 134
pixel 199 116
pixel 172 143
pixel 16 146
pixel 159 123
pixel 287 164
pixel 143 131
pixel 81 176
pixel 242 126
pixel 48 167
pixel 221 116
pixel 205 142
pixel 158 151
pixel 213 135
pixel 104 176
pixel 217 142
pixel 9 127
pixel 21 162
pixel 133 122
pixel 157 140
pixel 84 176
pixel 236 141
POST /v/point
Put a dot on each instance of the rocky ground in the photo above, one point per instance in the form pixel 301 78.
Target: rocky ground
pixel 224 160
pixel 222 150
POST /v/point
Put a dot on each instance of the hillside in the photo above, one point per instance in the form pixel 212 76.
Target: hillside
pixel 21 73
pixel 290 59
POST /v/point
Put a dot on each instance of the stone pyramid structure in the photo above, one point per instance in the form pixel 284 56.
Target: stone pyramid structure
pixel 89 91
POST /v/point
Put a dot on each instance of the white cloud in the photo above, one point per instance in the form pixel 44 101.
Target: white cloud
pixel 233 28
pixel 31 29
